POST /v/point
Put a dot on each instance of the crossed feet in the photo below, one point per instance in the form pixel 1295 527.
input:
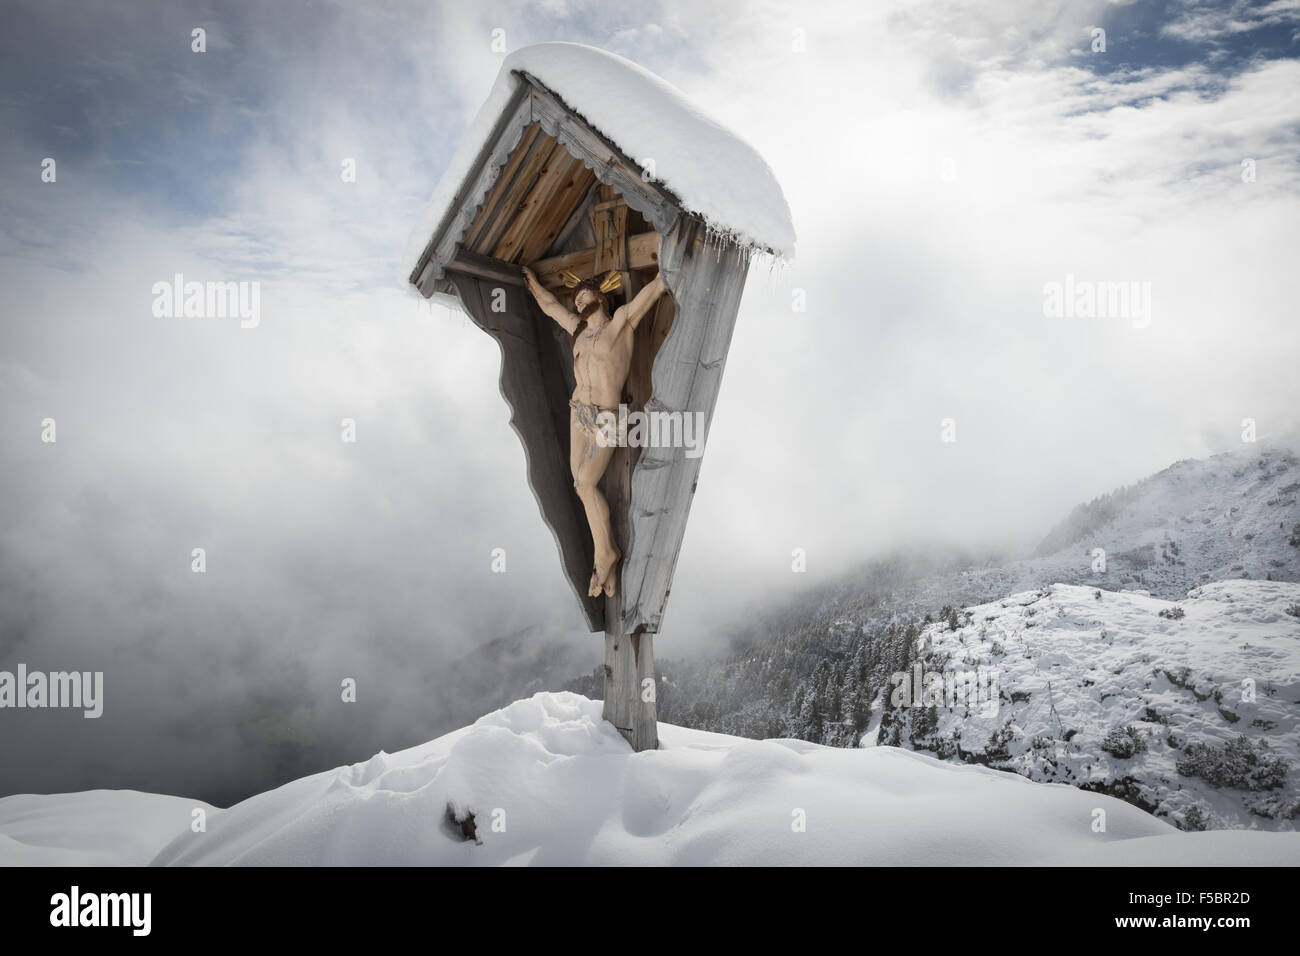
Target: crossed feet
pixel 604 576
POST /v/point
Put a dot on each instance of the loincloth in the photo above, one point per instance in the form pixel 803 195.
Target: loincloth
pixel 587 418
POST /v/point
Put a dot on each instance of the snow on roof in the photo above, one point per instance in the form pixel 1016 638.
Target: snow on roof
pixel 714 172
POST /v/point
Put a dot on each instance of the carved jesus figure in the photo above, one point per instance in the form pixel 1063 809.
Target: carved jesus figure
pixel 602 356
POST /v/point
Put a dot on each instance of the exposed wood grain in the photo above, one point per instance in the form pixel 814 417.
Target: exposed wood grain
pixel 642 252
pixel 629 680
pixel 706 282
pixel 482 267
pixel 629 657
pixel 661 324
pixel 645 707
pixel 580 216
pixel 567 198
pixel 645 348
pixel 520 160
pixel 554 173
pixel 521 184
pixel 609 220
pixel 654 201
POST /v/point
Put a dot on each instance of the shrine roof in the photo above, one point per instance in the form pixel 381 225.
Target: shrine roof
pixel 710 169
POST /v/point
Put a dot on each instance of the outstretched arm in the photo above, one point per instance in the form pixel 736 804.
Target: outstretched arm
pixel 642 303
pixel 549 303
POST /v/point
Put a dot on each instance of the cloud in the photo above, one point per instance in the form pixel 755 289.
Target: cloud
pixel 1209 24
pixel 943 163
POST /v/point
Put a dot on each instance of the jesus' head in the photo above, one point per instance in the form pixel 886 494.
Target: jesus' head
pixel 587 298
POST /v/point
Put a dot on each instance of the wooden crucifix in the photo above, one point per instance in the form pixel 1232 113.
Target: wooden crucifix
pixel 549 189
pixel 613 350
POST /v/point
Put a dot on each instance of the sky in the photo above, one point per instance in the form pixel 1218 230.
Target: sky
pixel 944 163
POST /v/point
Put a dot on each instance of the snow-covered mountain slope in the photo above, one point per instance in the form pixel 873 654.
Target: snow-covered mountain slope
pixel 92 828
pixel 1075 667
pixel 548 782
pixel 1231 516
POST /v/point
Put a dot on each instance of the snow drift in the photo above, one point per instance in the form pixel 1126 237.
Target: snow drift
pixel 92 828
pixel 547 782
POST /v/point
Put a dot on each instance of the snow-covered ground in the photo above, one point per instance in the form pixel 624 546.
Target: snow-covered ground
pixel 1074 664
pixel 548 782
pixel 94 828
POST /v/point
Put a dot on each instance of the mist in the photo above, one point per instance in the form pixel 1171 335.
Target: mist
pixel 899 386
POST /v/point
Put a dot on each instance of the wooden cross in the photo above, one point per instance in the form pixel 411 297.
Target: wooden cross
pixel 630 683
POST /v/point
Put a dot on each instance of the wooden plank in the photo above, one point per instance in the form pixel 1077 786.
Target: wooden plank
pixel 524 180
pixel 620 663
pixel 644 351
pixel 629 679
pixel 608 220
pixel 706 282
pixel 616 237
pixel 581 263
pixel 482 267
pixel 520 160
pixel 662 323
pixel 629 657
pixel 566 199
pixel 557 170
pixel 642 252
pixel 645 712
pixel 654 201
pixel 545 152
pixel 667 492
pixel 535 391
pixel 580 214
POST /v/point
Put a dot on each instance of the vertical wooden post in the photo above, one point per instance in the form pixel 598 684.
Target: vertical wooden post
pixel 629 681
pixel 629 658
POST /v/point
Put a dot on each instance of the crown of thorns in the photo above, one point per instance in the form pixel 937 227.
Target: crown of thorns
pixel 610 282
